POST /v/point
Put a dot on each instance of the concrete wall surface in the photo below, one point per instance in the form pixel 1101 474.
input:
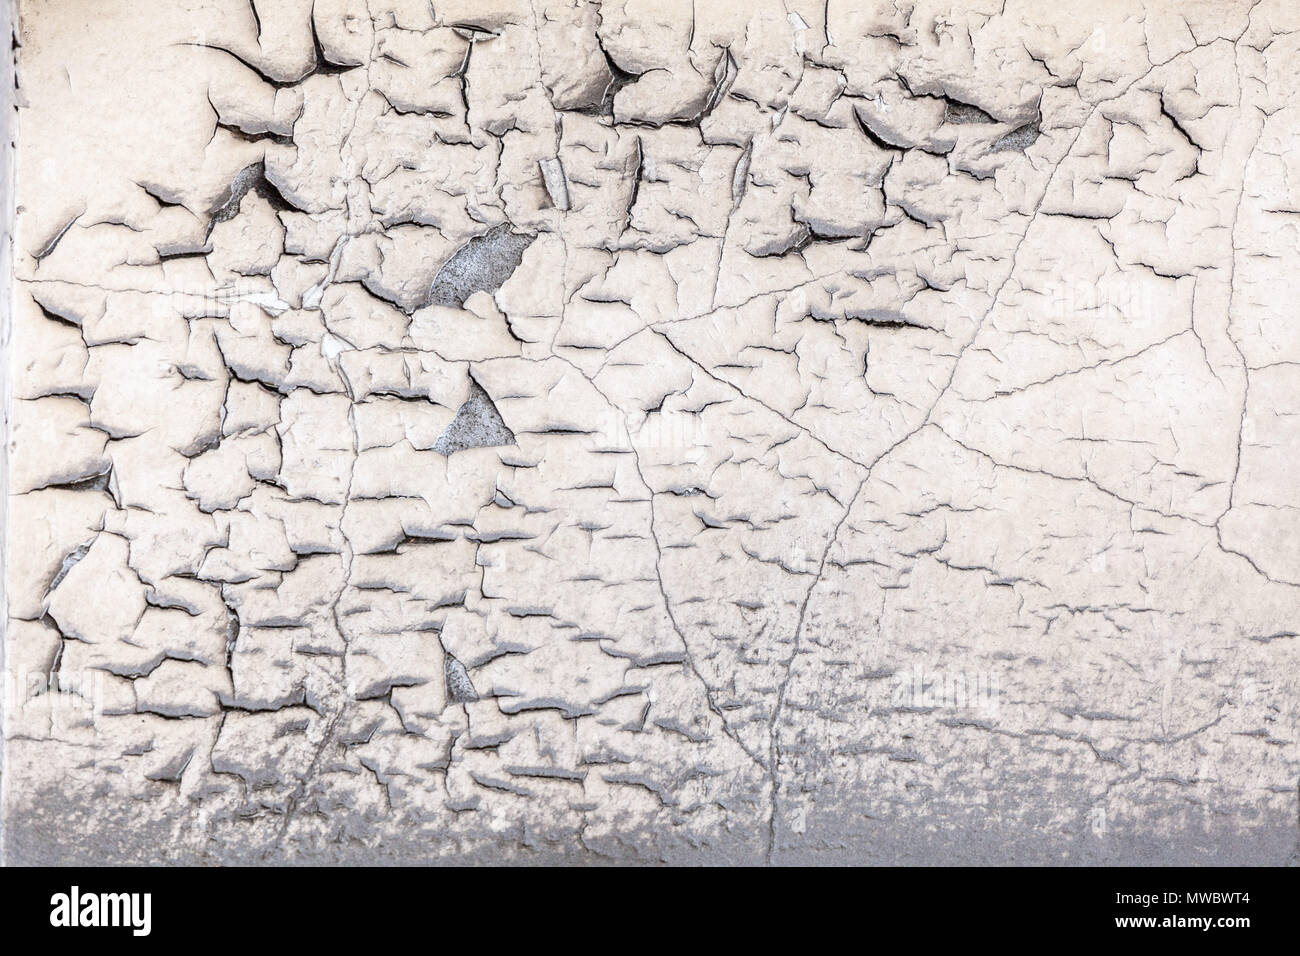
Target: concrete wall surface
pixel 644 432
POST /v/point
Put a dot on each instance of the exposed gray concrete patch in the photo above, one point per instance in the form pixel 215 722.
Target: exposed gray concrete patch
pixel 483 264
pixel 1018 139
pixel 459 686
pixel 477 424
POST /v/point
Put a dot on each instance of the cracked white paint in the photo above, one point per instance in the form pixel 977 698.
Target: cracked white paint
pixel 660 431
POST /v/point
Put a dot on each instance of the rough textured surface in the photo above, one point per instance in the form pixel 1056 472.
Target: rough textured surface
pixel 654 431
